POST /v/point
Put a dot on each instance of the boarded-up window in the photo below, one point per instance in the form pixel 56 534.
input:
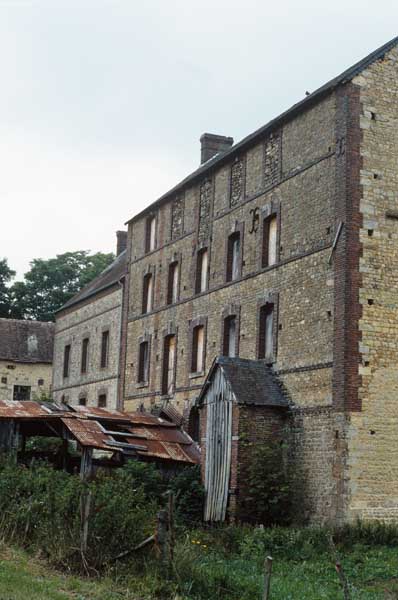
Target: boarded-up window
pixel 84 355
pixel 169 357
pixel 66 360
pixel 150 234
pixel 104 349
pixel 143 363
pixel 197 362
pixel 230 336
pixel 102 401
pixel 147 293
pixel 233 256
pixel 172 283
pixel 270 231
pixel 202 267
pixel 266 332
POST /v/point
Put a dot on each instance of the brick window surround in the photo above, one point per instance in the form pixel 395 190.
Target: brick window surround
pixel 236 234
pixel 270 210
pixel 232 311
pixel 144 360
pixel 192 347
pixel 170 342
pixel 269 302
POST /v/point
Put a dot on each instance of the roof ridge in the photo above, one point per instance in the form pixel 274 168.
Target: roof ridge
pixel 313 98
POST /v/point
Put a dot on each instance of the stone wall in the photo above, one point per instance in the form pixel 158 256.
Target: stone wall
pixel 89 319
pixel 35 375
pixel 372 469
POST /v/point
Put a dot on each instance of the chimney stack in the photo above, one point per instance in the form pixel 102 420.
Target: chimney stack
pixel 212 144
pixel 121 243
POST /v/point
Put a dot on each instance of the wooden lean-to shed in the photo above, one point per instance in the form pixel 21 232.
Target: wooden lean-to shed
pixel 241 403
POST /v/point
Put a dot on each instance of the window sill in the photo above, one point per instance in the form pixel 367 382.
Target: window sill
pixel 196 374
pixel 142 384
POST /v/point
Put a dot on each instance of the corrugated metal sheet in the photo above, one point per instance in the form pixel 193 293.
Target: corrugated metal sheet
pixel 103 429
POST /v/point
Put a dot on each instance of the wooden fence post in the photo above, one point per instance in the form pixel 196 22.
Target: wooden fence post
pixel 267 577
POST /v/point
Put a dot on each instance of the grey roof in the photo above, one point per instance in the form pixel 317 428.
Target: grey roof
pixel 26 341
pixel 109 277
pixel 252 381
pixel 297 108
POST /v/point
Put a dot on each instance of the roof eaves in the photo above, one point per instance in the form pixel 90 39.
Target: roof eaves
pixel 291 112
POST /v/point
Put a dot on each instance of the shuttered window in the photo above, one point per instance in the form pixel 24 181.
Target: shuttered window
pixel 233 256
pixel 270 231
pixel 197 362
pixel 172 283
pixel 85 344
pixel 266 332
pixel 143 363
pixel 202 267
pixel 150 234
pixel 169 357
pixel 147 293
pixel 66 360
pixel 230 336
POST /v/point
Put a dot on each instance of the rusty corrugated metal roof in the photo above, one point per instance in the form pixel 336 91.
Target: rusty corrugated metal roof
pixel 140 433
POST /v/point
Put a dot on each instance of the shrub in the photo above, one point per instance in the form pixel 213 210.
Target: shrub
pixel 190 494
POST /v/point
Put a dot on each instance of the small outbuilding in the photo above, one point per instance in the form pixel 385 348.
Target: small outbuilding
pixel 241 404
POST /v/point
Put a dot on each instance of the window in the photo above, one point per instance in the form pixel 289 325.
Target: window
pixel 198 336
pixel 4 380
pixel 230 336
pixel 84 356
pixel 150 234
pixel 143 363
pixel 270 230
pixel 202 267
pixel 266 334
pixel 233 256
pixel 104 349
pixel 102 401
pixel 172 283
pixel 169 357
pixel 40 382
pixel 21 392
pixel 66 360
pixel 82 401
pixel 147 293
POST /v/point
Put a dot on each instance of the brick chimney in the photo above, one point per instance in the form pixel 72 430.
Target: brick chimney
pixel 121 244
pixel 212 144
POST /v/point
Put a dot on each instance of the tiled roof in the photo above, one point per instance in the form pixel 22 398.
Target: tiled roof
pixel 252 381
pixel 109 277
pixel 26 341
pixel 297 108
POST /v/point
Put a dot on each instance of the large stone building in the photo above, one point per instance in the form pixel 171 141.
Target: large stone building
pixel 87 339
pixel 284 248
pixel 26 354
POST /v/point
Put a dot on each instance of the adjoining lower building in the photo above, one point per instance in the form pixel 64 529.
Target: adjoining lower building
pixel 26 355
pixel 87 339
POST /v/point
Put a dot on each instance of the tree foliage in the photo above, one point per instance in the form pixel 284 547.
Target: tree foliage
pixel 6 274
pixel 51 282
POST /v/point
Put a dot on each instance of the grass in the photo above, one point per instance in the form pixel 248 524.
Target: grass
pixel 223 565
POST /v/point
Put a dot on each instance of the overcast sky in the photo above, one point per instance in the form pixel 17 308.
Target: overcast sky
pixel 103 102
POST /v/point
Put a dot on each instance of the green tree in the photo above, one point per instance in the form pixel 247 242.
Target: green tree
pixel 52 282
pixel 6 274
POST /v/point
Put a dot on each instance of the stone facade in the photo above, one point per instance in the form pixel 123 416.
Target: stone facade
pixel 90 325
pixel 327 171
pixel 35 376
